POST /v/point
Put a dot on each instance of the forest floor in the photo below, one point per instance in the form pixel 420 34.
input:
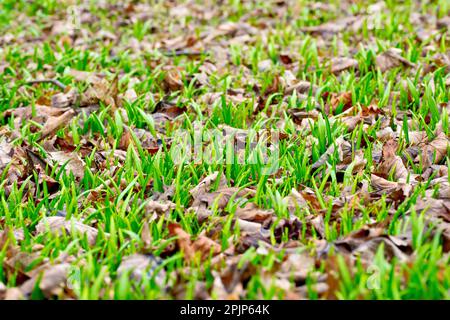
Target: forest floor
pixel 224 149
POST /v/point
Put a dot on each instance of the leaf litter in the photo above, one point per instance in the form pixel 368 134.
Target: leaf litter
pixel 90 118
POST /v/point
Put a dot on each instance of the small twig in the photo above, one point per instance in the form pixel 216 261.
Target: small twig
pixel 55 82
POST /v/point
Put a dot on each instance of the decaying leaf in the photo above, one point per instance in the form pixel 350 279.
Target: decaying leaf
pixel 435 150
pixel 59 225
pixel 251 212
pixel 90 77
pixel 172 80
pixel 202 244
pixel 97 101
pixel 71 161
pixel 159 207
pixel 340 146
pixel 49 117
pixel 54 123
pixel 366 241
pixel 392 162
pixel 341 64
pixel 334 27
pixel 139 265
pixel 66 99
pixel 392 58
pixel 102 91
pixel 5 153
pixel 298 266
pixel 52 280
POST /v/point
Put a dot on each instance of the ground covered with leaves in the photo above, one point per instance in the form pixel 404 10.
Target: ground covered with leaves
pixel 94 203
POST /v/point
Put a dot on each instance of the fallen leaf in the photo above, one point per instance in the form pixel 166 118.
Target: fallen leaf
pixel 172 80
pixel 138 265
pixel 392 58
pixel 65 99
pixel 342 147
pixel 341 64
pixel 159 207
pixel 435 150
pixel 334 27
pixel 251 212
pixel 90 77
pixel 202 244
pixel 73 163
pixel 52 280
pixel 365 242
pixel 6 151
pixel 54 123
pixel 58 225
pixel 392 162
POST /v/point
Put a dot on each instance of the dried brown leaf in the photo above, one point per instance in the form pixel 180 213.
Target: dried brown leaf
pixel 251 212
pixel 204 245
pixel 342 63
pixel 58 225
pixel 392 58
pixel 73 163
pixel 138 265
